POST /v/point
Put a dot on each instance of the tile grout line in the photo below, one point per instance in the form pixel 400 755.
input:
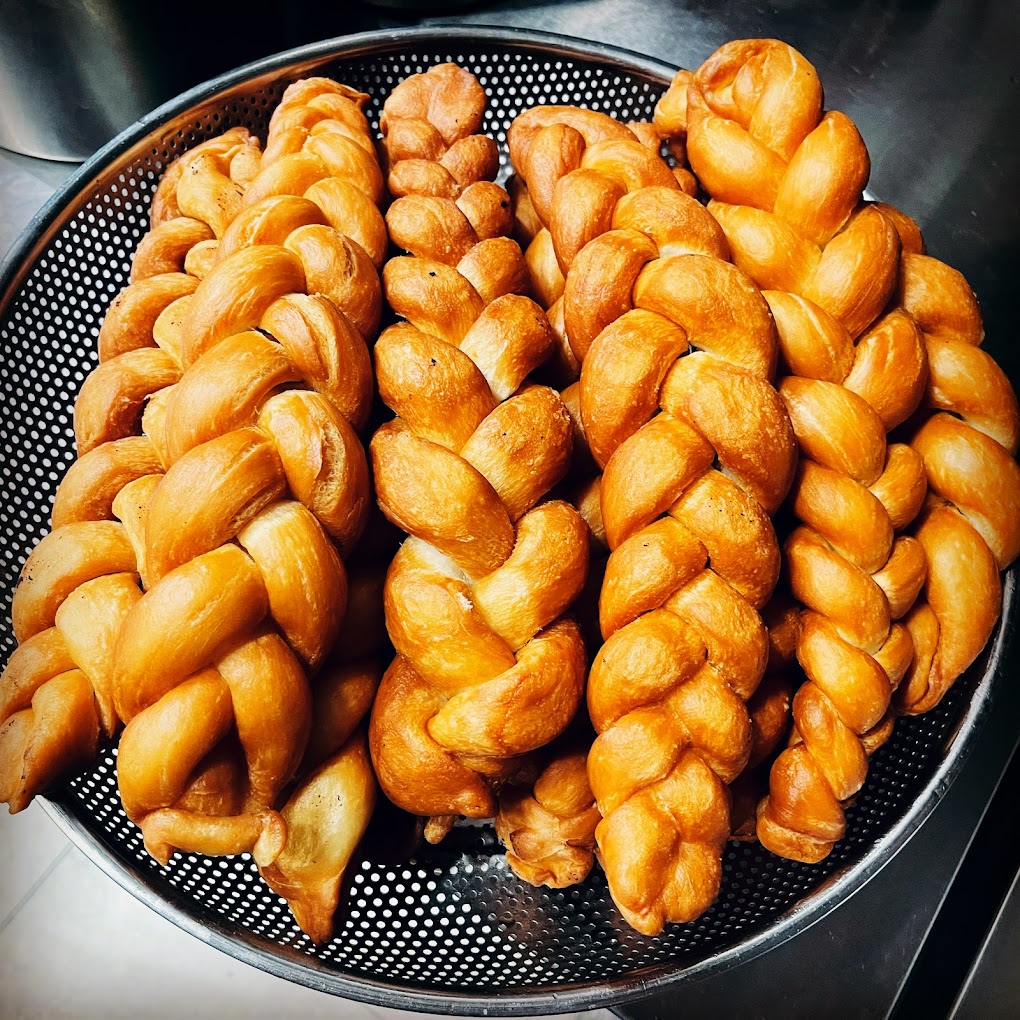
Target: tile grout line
pixel 16 909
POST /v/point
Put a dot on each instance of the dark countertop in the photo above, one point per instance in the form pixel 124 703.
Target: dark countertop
pixel 934 89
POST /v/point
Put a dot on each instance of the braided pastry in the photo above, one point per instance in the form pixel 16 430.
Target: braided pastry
pixel 328 809
pixel 548 825
pixel 870 329
pixel 547 815
pixel 234 507
pixel 196 200
pixel 56 692
pixel 769 711
pixel 970 525
pixel 249 621
pixel 685 646
pixel 488 668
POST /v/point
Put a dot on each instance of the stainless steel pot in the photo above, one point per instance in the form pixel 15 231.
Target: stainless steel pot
pixel 72 75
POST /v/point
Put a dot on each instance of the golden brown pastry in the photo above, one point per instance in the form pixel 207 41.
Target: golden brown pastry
pixel 328 809
pixel 851 375
pixel 197 198
pixel 56 692
pixel 547 815
pixel 488 667
pixel 697 451
pixel 870 329
pixel 970 524
pixel 548 825
pixel 235 507
pixel 547 822
pixel 266 487
pixel 76 588
pixel 769 709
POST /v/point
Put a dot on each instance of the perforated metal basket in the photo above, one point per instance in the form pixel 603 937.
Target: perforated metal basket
pixel 450 930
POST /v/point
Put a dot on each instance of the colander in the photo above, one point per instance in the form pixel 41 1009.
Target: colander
pixel 450 929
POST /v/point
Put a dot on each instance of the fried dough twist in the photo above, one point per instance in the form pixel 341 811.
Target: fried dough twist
pixel 547 815
pixel 970 525
pixel 870 329
pixel 646 280
pixel 851 376
pixel 235 506
pixel 196 200
pixel 548 824
pixel 769 709
pixel 56 692
pixel 488 667
pixel 265 489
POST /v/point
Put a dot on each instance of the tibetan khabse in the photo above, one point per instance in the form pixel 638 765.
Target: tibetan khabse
pixel 601 386
pixel 547 815
pixel 898 545
pixel 677 351
pixel 56 692
pixel 199 544
pixel 548 824
pixel 488 667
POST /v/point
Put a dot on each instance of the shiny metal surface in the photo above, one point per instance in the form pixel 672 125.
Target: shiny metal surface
pixel 72 75
pixel 981 703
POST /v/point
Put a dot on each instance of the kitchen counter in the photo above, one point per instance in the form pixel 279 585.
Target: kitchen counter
pixel 934 90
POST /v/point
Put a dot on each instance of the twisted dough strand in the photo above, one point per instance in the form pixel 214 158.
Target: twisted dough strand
pixel 685 647
pixel 488 668
pixel 547 144
pixel 870 329
pixel 548 823
pixel 56 691
pixel 848 385
pixel 197 198
pixel 769 709
pixel 247 586
pixel 233 508
pixel 547 815
pixel 970 525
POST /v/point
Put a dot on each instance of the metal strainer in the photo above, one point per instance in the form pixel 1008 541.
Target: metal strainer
pixel 450 930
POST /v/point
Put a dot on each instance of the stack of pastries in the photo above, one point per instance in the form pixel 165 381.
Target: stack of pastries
pixel 678 476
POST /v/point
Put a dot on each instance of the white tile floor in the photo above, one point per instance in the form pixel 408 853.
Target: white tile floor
pixel 73 943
